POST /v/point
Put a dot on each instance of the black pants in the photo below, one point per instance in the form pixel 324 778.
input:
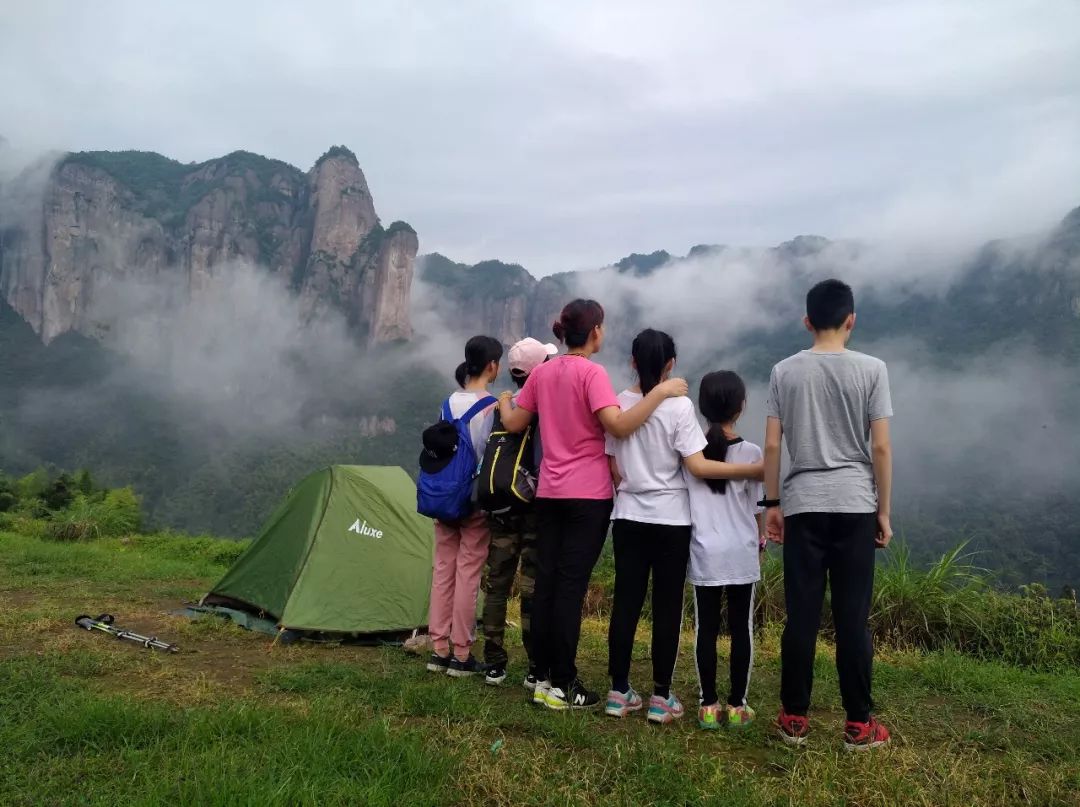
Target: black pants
pixel 663 550
pixel 840 547
pixel 708 605
pixel 569 536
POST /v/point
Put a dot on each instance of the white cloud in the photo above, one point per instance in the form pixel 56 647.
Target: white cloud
pixel 563 134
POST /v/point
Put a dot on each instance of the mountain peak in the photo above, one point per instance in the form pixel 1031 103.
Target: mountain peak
pixel 640 264
pixel 803 245
pixel 701 250
pixel 340 152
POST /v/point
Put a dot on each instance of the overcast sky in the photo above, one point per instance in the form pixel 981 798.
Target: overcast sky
pixel 564 135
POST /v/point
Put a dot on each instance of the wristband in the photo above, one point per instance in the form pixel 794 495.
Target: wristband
pixel 769 503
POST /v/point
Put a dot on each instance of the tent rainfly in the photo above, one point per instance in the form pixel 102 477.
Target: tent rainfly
pixel 346 552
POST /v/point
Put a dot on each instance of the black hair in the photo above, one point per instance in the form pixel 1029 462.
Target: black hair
pixel 577 321
pixel 652 350
pixel 828 304
pixel 720 398
pixel 480 351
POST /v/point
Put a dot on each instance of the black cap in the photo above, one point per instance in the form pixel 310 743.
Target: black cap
pixel 440 445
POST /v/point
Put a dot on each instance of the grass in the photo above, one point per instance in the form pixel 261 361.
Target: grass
pixel 229 720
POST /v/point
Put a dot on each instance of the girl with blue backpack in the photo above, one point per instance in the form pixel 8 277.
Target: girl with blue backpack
pixel 452 451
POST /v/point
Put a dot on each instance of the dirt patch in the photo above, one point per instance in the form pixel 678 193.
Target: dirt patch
pixel 19 598
pixel 216 653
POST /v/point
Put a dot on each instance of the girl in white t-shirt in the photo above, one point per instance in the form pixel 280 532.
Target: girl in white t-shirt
pixel 651 527
pixel 725 552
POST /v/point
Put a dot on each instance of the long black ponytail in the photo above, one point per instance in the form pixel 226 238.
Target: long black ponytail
pixel 720 399
pixel 480 351
pixel 652 350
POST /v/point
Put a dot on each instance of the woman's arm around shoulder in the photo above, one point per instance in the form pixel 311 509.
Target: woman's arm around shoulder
pixel 619 423
pixel 513 418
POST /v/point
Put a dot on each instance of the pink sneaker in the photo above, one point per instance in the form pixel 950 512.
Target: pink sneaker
pixel 664 710
pixel 620 704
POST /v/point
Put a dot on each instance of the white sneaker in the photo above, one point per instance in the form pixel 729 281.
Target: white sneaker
pixel 555 699
pixel 578 696
pixel 539 693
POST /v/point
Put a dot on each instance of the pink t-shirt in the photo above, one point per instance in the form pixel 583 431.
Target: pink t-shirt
pixel 567 392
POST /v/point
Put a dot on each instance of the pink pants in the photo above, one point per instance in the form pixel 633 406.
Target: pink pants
pixel 460 553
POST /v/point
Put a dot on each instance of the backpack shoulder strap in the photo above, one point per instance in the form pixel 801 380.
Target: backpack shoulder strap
pixel 477 408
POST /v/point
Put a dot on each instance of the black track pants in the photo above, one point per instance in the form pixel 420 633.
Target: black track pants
pixel 708 605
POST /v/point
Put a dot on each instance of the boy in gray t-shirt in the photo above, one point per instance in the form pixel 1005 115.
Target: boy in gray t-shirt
pixel 831 406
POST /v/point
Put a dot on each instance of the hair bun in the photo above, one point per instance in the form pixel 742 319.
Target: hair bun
pixel 558 329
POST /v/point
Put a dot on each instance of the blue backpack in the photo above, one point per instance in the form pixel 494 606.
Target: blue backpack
pixel 444 490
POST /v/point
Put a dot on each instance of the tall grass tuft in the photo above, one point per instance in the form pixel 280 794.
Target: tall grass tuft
pixel 926 608
pixel 86 518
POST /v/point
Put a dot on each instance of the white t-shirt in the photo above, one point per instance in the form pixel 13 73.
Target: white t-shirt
pixel 724 542
pixel 653 490
pixel 479 426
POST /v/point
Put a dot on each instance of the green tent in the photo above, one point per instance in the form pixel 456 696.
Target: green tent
pixel 345 552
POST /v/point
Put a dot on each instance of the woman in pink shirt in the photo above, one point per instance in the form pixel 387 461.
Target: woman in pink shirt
pixel 576 403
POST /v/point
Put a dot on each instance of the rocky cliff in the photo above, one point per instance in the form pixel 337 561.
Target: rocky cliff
pixel 490 297
pixel 99 217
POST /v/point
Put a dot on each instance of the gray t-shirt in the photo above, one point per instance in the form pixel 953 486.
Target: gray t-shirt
pixel 825 402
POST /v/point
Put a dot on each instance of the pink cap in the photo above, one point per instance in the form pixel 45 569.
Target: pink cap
pixel 528 354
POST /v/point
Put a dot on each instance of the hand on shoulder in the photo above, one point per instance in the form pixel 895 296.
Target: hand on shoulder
pixel 674 387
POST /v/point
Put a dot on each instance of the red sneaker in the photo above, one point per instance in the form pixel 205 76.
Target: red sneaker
pixel 793 728
pixel 863 736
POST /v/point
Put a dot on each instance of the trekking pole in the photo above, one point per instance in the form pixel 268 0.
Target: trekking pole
pixel 104 623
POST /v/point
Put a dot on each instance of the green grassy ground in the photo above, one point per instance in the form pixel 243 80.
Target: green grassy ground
pixel 230 720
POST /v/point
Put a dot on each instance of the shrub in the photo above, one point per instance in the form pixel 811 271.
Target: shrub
pixel 121 512
pixel 33 485
pixel 9 494
pixel 60 492
pixel 23 524
pixel 76 523
pixel 84 482
pixel 1031 629
pixel 116 514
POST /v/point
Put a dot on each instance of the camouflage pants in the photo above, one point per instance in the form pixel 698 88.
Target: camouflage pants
pixel 513 540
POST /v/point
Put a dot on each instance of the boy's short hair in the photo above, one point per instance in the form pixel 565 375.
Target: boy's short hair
pixel 828 304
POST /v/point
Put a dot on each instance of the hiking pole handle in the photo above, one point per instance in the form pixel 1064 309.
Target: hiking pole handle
pixel 89 622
